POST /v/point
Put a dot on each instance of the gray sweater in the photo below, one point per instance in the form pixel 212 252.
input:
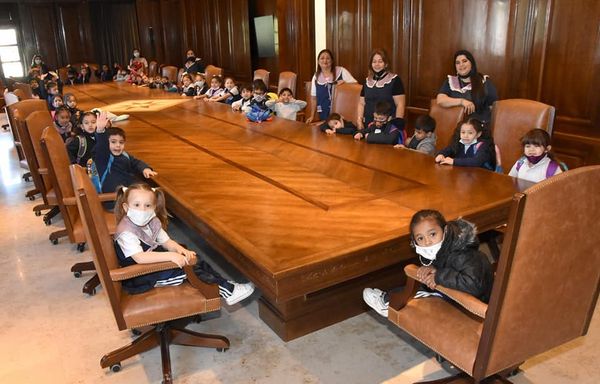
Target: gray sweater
pixel 427 145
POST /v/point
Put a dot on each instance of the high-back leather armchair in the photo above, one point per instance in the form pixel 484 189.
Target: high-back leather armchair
pixel 345 100
pixel 212 71
pixel 152 68
pixel 262 74
pixel 167 309
pixel 446 121
pixel 288 79
pixel 169 71
pixel 26 89
pixel 58 163
pixel 545 289
pixel 511 119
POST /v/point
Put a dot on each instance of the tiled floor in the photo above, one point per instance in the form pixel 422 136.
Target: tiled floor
pixel 52 333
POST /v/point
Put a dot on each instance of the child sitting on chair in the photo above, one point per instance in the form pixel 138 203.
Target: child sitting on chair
pixel 62 122
pixel 216 89
pixel 256 110
pixel 230 92
pixel 81 147
pixel 450 256
pixel 141 238
pixel 286 106
pixel 424 139
pixel 335 123
pixel 383 129
pixel 472 146
pixel 200 84
pixel 246 93
pixel 187 88
pixel 537 163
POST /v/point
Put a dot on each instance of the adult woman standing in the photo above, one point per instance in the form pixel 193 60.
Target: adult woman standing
pixel 138 63
pixel 380 85
pixel 326 76
pixel 469 89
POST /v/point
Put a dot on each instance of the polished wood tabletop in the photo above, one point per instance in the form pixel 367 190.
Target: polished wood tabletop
pixel 300 213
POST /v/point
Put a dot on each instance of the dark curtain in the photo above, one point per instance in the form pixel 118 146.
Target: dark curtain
pixel 115 33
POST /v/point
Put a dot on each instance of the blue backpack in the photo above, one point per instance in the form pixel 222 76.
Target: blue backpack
pixel 257 114
pixel 92 171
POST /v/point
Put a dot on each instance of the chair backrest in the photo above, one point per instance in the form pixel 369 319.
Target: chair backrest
pixel 55 154
pixel 547 282
pixel 63 74
pixel 152 68
pixel 288 79
pixel 179 77
pixel 345 100
pixel 169 71
pixel 98 237
pixel 26 89
pixel 263 75
pixel 20 94
pixel 34 126
pixel 446 120
pixel 511 119
pixel 212 71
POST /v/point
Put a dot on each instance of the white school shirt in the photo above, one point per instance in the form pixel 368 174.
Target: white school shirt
pixel 131 244
pixel 532 172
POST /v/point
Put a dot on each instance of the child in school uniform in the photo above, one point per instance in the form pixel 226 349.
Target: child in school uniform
pixel 450 256
pixel 472 146
pixel 538 162
pixel 187 88
pixel 200 84
pixel 335 123
pixel 256 110
pixel 51 91
pixel 84 75
pixel 383 129
pixel 246 98
pixel 141 238
pixel 62 122
pixel 424 139
pixel 230 93
pixel 36 90
pixel 81 147
pixel 114 166
pixel 70 101
pixel 286 106
pixel 105 73
pixel 216 89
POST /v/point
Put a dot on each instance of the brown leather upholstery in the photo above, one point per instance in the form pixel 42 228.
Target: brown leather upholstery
pixel 212 71
pixel 542 296
pixel 511 119
pixel 152 68
pixel 63 74
pixel 169 71
pixel 446 120
pixel 179 75
pixel 157 306
pixel 25 107
pixel 287 79
pixel 345 100
pixel 263 75
pixel 26 89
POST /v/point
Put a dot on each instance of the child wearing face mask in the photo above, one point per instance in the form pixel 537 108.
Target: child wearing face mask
pixel 449 255
pixel 141 238
pixel 472 146
pixel 537 163
pixel 383 129
pixel 81 147
pixel 216 89
pixel 200 84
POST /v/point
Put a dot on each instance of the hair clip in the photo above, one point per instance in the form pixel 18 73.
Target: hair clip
pixel 124 189
pixel 153 189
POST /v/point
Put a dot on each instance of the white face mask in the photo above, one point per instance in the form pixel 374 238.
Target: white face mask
pixel 136 54
pixel 139 217
pixel 428 253
pixel 38 61
pixel 259 98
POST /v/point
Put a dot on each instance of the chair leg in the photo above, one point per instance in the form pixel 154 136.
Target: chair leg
pixel 145 342
pixel 182 336
pixel 90 286
pixel 50 214
pixel 54 236
pixel 164 354
pixel 41 207
pixel 463 378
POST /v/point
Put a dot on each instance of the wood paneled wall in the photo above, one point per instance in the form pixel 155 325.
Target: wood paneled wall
pixel 546 50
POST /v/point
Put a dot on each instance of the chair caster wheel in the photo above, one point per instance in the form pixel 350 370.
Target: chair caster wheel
pixel 31 198
pixel 47 221
pixel 38 213
pixel 93 293
pixel 136 332
pixel 514 372
pixel 115 367
pixel 222 349
pixel 77 274
pixel 439 358
pixel 54 241
pixel 81 247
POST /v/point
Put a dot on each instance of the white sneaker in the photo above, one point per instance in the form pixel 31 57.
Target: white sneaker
pixel 376 299
pixel 240 292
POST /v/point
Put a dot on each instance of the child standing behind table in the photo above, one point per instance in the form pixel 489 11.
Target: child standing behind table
pixel 286 106
pixel 424 138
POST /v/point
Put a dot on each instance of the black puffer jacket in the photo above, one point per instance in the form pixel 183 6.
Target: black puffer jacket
pixel 459 263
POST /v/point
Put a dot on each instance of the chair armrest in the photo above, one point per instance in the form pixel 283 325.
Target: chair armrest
pixel 136 270
pixel 466 300
pixel 43 171
pixel 107 196
pixel 69 201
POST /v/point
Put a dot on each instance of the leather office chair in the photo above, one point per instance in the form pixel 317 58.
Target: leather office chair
pixel 152 68
pixel 63 74
pixel 302 115
pixel 26 89
pixel 167 309
pixel 345 100
pixel 511 119
pixel 17 113
pixel 179 77
pixel 212 71
pixel 446 120
pixel 542 296
pixel 58 162
pixel 31 132
pixel 287 79
pixel 263 75
pixel 169 71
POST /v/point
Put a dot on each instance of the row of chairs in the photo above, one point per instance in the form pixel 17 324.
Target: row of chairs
pixel 511 119
pixel 69 188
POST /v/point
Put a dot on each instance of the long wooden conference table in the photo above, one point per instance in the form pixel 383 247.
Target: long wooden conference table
pixel 310 219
